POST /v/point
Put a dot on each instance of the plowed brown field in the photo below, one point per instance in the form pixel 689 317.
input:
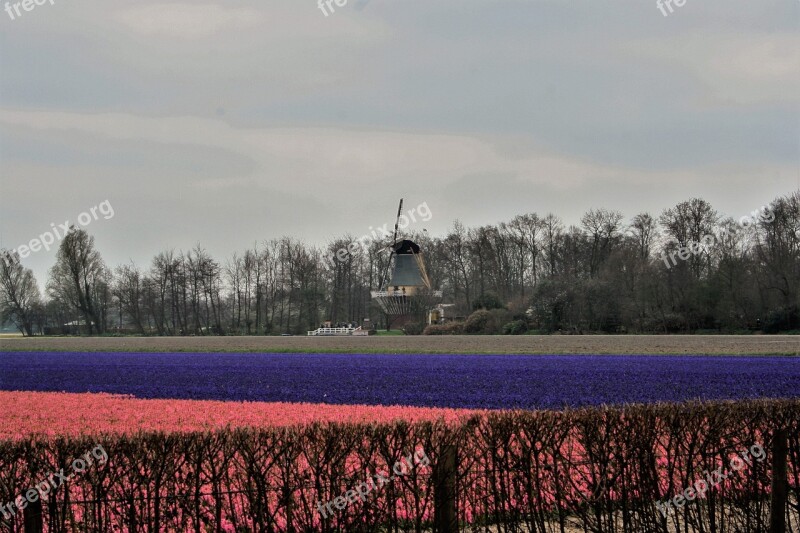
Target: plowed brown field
pixel 525 344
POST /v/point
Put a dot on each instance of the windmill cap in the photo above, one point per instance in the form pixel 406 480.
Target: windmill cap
pixel 406 247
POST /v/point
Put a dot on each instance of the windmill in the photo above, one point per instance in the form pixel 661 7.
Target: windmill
pixel 409 291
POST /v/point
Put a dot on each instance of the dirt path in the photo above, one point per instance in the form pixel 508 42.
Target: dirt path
pixel 526 344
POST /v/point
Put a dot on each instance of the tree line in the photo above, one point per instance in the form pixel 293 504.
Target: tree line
pixel 687 269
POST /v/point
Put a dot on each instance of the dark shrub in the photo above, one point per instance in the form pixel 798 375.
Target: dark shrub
pixel 785 319
pixel 481 322
pixel 451 328
pixel 435 329
pixel 517 327
pixel 501 316
pixel 413 328
pixel 487 301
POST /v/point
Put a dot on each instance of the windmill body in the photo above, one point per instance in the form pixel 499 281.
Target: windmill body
pixel 408 293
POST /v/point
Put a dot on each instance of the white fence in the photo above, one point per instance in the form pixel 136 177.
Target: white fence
pixel 333 331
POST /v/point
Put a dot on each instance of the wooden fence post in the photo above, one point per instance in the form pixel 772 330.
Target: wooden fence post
pixel 780 451
pixel 132 525
pixel 289 510
pixel 33 517
pixel 444 474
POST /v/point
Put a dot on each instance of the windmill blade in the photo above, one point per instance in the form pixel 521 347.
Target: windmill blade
pixel 386 272
pixel 422 270
pixel 397 223
pixel 393 245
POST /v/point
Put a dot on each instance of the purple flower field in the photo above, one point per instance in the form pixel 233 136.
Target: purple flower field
pixel 471 381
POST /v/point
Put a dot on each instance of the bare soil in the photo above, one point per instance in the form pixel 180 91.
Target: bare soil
pixel 462 344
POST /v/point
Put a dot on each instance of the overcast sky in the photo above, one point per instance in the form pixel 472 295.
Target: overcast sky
pixel 230 123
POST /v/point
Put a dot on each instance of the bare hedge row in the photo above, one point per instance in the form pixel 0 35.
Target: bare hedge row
pixel 599 470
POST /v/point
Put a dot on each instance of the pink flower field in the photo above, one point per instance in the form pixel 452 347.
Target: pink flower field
pixel 26 414
pixel 537 468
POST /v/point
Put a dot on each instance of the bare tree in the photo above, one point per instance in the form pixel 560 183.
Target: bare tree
pixel 602 226
pixel 19 294
pixel 128 289
pixel 643 231
pixel 530 231
pixel 778 249
pixel 553 229
pixel 80 279
pixel 458 271
pixel 686 225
